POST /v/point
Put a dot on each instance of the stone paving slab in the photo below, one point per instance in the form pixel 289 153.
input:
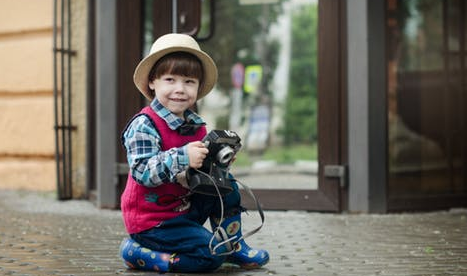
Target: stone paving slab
pixel 42 236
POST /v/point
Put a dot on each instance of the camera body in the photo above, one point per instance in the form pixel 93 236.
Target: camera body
pixel 223 145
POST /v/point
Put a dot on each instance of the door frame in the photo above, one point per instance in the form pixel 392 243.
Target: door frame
pixel 332 121
pixel 332 126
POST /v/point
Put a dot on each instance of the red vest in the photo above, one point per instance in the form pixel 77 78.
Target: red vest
pixel 139 203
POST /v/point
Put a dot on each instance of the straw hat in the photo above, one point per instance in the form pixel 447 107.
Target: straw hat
pixel 170 43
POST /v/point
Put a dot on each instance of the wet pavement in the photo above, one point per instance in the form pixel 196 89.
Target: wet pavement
pixel 42 236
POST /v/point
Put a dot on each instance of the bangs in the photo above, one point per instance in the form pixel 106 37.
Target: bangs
pixel 178 63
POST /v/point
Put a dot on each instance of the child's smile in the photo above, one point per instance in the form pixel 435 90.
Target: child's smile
pixel 177 93
pixel 178 100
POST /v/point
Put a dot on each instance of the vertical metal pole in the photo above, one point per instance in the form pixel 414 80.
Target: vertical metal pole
pixel 62 101
pixel 68 129
pixel 358 105
pixel 90 111
pixel 174 16
pixel 106 103
pixel 366 99
pixel 57 149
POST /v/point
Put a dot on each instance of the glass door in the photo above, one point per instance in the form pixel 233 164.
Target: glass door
pixel 268 92
pixel 427 104
pixel 272 91
pixel 266 52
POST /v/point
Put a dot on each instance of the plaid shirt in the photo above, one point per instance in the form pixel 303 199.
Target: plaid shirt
pixel 149 165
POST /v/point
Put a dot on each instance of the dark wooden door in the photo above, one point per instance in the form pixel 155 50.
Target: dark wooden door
pixel 427 107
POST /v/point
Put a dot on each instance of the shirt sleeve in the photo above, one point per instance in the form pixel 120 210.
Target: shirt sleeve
pixel 149 165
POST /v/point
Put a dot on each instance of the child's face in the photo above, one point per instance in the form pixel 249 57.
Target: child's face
pixel 177 93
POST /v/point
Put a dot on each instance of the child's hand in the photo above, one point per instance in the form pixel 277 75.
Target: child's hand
pixel 196 154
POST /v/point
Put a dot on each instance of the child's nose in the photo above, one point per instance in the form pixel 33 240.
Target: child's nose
pixel 179 86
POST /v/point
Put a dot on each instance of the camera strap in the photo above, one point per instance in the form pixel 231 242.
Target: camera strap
pixel 222 236
pixel 258 206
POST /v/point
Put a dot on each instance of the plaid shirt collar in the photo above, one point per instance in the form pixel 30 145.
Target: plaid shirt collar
pixel 172 120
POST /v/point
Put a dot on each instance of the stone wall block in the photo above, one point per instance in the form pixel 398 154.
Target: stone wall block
pixel 27 127
pixel 18 16
pixel 26 64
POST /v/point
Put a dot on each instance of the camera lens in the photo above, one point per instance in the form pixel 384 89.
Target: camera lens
pixel 225 155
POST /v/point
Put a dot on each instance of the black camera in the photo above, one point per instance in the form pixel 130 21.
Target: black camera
pixel 222 146
pixel 212 177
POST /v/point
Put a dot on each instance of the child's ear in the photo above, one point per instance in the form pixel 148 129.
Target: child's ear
pixel 151 85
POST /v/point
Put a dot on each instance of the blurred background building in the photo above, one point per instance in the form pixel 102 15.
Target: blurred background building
pixel 351 105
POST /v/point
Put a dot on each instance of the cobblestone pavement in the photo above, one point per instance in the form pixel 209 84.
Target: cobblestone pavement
pixel 42 236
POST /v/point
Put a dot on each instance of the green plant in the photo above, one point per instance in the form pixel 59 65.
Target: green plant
pixel 300 118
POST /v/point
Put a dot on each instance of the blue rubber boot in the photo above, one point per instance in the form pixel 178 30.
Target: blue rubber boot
pixel 137 257
pixel 243 255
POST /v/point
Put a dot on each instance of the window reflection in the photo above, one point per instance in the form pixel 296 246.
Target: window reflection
pixel 266 52
pixel 426 97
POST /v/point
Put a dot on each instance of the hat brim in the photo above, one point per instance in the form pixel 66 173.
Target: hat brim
pixel 143 69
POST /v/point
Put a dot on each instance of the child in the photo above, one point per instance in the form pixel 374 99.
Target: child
pixel 164 220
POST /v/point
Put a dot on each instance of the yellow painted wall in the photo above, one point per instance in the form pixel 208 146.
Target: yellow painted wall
pixel 26 95
pixel 27 139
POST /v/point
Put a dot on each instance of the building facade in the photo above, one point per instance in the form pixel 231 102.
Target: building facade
pixel 386 81
pixel 26 95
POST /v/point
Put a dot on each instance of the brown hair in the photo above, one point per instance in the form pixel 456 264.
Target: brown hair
pixel 178 63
